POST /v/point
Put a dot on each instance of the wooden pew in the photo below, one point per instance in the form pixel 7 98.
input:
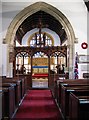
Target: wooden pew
pixel 55 90
pixel 22 82
pixel 17 89
pixel 8 100
pixel 27 80
pixel 23 85
pixel 65 91
pixel 79 105
pixel 66 83
pixel 1 103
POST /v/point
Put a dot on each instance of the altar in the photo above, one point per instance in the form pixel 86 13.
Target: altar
pixel 40 72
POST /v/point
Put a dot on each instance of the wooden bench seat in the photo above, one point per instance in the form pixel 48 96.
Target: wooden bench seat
pixel 58 83
pixel 17 89
pixel 65 91
pixel 1 103
pixel 8 100
pixel 22 82
pixel 23 85
pixel 79 105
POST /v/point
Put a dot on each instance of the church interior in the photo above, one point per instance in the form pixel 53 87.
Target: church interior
pixel 44 65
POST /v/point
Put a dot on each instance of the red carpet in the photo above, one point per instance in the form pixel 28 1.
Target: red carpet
pixel 38 105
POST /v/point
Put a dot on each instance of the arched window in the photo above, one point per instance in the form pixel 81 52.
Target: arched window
pixel 41 40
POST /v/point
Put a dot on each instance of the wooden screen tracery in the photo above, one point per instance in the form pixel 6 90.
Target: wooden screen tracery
pixel 22 64
pixel 56 51
pixel 51 52
pixel 60 60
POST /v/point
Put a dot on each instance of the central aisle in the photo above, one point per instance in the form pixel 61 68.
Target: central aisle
pixel 38 105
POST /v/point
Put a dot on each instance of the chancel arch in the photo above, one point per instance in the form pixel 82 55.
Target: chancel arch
pixel 16 27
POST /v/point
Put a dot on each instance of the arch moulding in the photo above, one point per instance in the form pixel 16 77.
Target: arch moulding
pixel 20 17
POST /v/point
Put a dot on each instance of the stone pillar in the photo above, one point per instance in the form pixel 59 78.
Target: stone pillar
pixel 10 57
pixel 71 62
pixel 4 59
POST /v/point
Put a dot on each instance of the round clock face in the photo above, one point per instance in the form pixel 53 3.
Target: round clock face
pixel 84 45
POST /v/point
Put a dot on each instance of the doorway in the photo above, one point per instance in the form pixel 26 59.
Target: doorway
pixel 40 70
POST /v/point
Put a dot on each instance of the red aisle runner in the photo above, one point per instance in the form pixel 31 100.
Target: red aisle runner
pixel 38 105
